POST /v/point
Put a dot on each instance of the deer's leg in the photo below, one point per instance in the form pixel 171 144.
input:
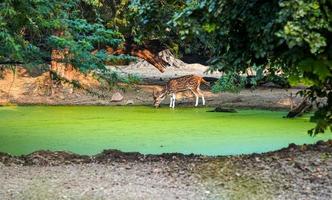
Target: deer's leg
pixel 171 102
pixel 200 93
pixel 174 97
pixel 197 97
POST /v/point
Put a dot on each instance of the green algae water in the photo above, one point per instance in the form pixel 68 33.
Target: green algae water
pixel 90 129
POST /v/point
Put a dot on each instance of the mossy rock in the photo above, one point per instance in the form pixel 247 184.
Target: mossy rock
pixel 221 109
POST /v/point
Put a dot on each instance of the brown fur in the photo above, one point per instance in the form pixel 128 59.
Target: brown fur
pixel 180 84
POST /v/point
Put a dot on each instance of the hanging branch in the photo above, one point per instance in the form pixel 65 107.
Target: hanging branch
pixel 143 53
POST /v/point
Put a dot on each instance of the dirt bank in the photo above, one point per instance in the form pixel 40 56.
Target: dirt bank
pixel 296 172
pixel 22 88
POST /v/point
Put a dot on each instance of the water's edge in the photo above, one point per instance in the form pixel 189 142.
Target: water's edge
pixel 149 105
pixel 54 158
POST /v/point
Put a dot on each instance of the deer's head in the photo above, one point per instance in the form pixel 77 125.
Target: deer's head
pixel 158 97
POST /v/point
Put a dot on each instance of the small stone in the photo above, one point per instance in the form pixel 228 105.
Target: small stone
pixel 292 146
pixel 116 97
pixel 130 102
pixel 157 170
pixel 270 84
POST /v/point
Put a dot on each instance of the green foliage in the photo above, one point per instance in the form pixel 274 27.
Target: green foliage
pixel 292 36
pixel 307 31
pixel 114 77
pixel 239 34
pixel 149 19
pixel 229 82
pixel 140 20
pixel 133 79
pixel 31 28
pixel 303 22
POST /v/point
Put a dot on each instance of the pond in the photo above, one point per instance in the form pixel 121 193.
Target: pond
pixel 90 129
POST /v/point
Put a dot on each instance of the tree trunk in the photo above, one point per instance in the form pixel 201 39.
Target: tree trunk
pixel 299 110
pixel 59 66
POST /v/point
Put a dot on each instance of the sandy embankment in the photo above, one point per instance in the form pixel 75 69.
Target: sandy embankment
pixel 24 89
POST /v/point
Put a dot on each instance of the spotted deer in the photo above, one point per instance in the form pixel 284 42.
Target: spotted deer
pixel 180 84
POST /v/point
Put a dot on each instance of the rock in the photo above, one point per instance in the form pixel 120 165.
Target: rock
pixel 62 97
pixel 237 100
pixel 292 146
pixel 220 109
pixel 270 85
pixel 130 102
pixel 157 170
pixel 116 97
pixel 128 167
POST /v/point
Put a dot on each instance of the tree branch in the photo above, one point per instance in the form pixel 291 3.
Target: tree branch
pixel 142 53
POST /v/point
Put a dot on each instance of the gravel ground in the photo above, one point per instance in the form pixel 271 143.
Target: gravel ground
pixel 99 181
pixel 296 172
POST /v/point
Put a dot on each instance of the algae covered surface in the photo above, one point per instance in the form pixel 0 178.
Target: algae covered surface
pixel 90 129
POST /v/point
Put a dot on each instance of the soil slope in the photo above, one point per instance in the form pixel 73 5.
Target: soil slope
pixel 22 88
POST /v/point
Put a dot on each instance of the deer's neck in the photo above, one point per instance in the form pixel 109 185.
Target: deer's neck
pixel 164 91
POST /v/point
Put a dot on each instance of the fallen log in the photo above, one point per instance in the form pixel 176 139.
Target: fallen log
pixel 303 107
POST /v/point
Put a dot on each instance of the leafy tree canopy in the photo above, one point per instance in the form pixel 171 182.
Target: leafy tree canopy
pixel 30 29
pixel 292 37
